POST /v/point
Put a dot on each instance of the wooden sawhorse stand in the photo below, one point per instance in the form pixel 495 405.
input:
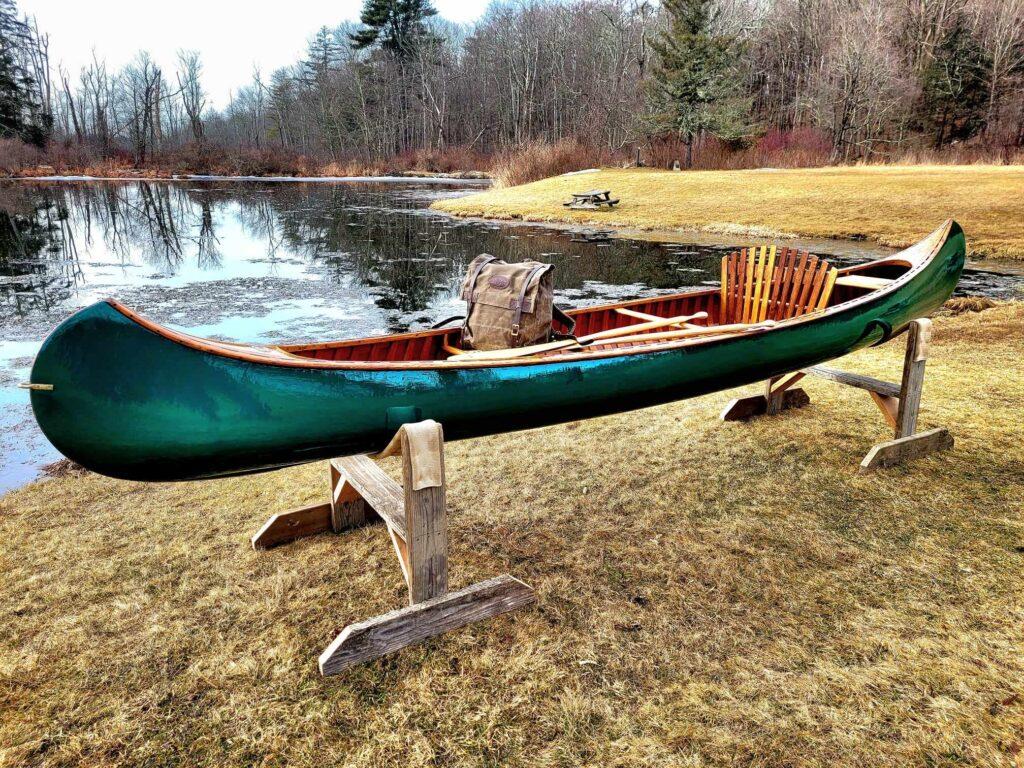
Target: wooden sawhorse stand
pixel 417 522
pixel 899 403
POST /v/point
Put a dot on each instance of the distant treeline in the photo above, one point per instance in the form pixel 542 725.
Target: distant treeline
pixel 727 83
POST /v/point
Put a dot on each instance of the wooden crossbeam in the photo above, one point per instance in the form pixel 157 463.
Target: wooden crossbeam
pixel 855 380
pixel 370 639
pixel 293 524
pixel 902 449
pixel 364 479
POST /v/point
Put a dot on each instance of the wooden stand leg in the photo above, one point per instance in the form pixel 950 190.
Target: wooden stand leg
pixel 902 415
pixel 417 523
pixel 426 520
pixel 778 396
pixel 899 404
pixel 914 360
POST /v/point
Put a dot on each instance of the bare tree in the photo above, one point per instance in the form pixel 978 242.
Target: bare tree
pixel 193 99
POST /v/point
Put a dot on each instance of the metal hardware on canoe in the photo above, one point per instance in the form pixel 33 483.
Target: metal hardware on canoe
pixel 551 346
pixel 36 387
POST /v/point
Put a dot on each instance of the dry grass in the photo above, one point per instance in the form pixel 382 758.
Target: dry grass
pixel 893 205
pixel 710 594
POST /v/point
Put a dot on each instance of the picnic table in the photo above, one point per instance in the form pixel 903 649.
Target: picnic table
pixel 591 200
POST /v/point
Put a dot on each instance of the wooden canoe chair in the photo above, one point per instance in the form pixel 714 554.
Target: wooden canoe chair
pixel 761 284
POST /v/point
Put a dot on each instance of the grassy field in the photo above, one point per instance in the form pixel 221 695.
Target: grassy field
pixel 709 594
pixel 893 205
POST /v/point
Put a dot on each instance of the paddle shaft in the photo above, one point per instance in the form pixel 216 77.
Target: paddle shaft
pixel 685 334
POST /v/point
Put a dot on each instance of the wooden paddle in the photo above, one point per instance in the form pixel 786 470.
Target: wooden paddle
pixel 694 332
pixel 611 333
pixel 689 333
pixel 645 316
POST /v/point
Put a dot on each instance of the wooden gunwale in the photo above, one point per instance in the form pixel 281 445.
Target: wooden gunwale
pixel 281 356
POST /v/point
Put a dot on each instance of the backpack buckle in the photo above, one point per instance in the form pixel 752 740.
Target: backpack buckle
pixel 515 330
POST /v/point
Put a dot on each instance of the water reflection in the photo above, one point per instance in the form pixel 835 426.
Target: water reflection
pixel 58 241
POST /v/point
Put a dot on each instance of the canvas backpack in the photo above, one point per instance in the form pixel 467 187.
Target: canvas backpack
pixel 509 305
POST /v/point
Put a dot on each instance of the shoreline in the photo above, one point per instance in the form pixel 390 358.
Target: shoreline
pixel 891 206
pixel 834 246
pixel 387 179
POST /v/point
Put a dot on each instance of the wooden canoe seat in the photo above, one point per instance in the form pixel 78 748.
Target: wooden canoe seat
pixel 765 284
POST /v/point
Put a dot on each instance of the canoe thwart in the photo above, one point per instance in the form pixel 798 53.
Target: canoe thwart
pixel 863 281
pixel 415 514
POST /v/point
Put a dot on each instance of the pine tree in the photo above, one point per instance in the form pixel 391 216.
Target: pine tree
pixel 696 87
pixel 321 55
pixel 18 107
pixel 396 26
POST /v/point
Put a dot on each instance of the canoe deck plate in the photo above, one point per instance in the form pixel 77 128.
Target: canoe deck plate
pixel 899 403
pixel 415 516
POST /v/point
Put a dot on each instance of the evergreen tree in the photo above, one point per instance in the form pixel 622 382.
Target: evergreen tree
pixel 955 86
pixel 396 26
pixel 15 84
pixel 321 56
pixel 696 87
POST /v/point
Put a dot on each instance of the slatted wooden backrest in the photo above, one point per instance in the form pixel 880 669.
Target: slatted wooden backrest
pixel 766 284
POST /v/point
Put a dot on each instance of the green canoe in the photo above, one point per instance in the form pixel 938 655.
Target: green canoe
pixel 135 400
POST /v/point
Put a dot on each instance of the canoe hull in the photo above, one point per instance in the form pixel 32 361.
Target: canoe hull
pixel 130 403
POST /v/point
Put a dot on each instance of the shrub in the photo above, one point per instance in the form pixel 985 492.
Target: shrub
pixel 17 157
pixel 538 160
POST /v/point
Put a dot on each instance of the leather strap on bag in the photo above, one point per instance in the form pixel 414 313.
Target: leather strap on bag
pixel 472 292
pixel 522 296
pixel 565 320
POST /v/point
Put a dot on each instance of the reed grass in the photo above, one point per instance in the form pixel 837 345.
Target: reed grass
pixel 892 205
pixel 709 594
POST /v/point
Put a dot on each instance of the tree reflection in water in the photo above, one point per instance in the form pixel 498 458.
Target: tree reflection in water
pixel 379 238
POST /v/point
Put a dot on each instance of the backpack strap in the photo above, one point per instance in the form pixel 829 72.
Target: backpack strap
pixel 559 314
pixel 539 269
pixel 472 292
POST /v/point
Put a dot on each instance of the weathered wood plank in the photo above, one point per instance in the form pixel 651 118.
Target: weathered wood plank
pixel 887 405
pixel 376 487
pixel 903 449
pixel 348 508
pixel 293 524
pixel 389 632
pixel 913 377
pixel 744 408
pixel 427 525
pixel 855 380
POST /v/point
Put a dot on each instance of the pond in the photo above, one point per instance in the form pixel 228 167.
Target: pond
pixel 286 263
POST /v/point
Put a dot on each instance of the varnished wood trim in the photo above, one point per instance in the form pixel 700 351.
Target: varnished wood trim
pixel 282 356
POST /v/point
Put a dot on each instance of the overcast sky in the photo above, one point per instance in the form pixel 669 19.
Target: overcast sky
pixel 231 35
